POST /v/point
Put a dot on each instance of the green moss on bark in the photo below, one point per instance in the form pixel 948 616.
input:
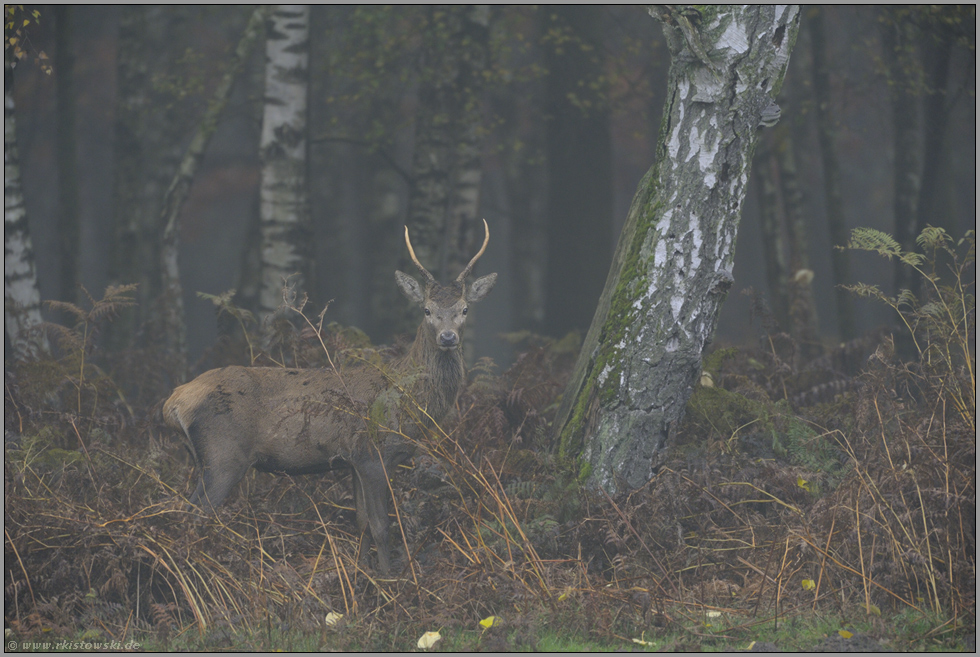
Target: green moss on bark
pixel 605 374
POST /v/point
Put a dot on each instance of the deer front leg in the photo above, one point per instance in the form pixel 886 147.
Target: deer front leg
pixel 371 503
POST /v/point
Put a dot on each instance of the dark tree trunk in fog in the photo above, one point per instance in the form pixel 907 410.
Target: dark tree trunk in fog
pixel 528 243
pixel 898 38
pixel 673 265
pixel 149 131
pixel 21 299
pixel 148 135
pixel 464 234
pixel 836 223
pixel 770 225
pixel 174 330
pixel 579 156
pixel 446 165
pixel 287 245
pixel 802 308
pixel 69 231
pixel 932 203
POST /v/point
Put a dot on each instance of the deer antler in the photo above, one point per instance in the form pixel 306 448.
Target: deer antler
pixel 429 278
pixel 469 267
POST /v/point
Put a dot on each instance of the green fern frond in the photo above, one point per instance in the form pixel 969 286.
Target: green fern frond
pixel 869 239
pixel 932 238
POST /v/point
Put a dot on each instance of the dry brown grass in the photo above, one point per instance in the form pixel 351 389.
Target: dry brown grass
pixel 768 506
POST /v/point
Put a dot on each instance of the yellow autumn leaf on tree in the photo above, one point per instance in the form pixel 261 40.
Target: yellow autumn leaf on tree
pixel 428 640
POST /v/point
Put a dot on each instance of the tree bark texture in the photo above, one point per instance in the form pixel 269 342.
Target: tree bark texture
pixel 284 205
pixel 21 299
pixel 836 223
pixel 172 302
pixel 673 266
pixel 578 142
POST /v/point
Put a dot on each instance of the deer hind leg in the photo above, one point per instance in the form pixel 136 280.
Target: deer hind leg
pixel 216 484
pixel 371 502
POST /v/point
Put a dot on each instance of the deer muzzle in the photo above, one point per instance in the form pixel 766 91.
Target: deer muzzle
pixel 448 340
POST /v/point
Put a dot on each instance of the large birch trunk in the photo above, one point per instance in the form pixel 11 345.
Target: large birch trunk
pixel 284 205
pixel 673 265
pixel 21 299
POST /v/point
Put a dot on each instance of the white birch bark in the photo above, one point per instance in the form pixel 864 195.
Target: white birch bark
pixel 21 299
pixel 673 265
pixel 284 197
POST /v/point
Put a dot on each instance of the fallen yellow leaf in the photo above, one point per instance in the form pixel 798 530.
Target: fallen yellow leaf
pixel 845 634
pixel 428 640
pixel 488 622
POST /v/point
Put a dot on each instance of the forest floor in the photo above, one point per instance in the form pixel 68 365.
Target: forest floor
pixel 805 503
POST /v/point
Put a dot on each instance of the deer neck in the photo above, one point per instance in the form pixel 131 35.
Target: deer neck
pixel 443 372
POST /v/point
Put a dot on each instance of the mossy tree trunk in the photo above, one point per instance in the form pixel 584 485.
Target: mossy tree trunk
pixel 673 266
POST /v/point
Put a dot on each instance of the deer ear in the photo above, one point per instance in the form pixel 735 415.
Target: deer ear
pixel 409 287
pixel 480 288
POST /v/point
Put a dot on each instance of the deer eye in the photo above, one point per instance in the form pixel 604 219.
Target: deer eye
pixel 464 310
pixel 427 312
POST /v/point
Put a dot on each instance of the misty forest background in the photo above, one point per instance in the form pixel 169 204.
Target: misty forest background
pixel 569 105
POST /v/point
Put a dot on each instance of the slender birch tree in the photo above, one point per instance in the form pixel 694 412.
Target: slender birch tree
pixel 21 299
pixel 284 205
pixel 172 302
pixel 673 266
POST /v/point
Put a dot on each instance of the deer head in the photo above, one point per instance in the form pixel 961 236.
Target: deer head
pixel 445 306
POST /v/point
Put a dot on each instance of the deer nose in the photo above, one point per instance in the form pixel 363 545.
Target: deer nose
pixel 448 339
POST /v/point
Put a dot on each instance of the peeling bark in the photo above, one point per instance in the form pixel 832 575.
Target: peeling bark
pixel 284 205
pixel 673 265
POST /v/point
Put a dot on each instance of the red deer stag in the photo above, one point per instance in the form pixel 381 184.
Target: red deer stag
pixel 367 418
